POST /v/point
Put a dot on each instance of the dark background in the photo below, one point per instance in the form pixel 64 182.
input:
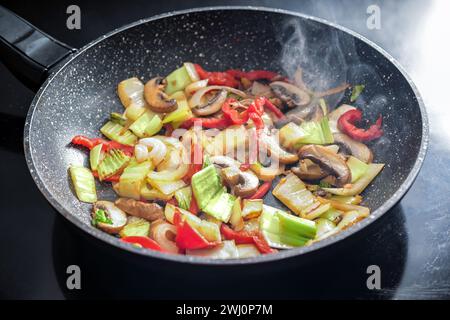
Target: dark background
pixel 410 244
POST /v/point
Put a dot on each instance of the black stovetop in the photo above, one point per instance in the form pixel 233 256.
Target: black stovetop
pixel 411 245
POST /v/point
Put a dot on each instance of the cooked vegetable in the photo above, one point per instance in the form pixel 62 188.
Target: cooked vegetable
pixel 212 105
pixel 131 92
pixel 225 250
pixel 134 111
pixel 328 161
pixel 357 168
pixel 252 208
pixel 114 162
pixel 146 125
pixel 157 99
pixel 247 251
pixel 357 187
pixel 178 80
pixel 220 206
pixel 236 220
pixel 84 184
pixel 184 197
pixel 95 156
pixel 107 217
pixel 165 186
pixel 135 227
pixel 346 124
pixel 118 118
pixel 348 199
pixel 133 179
pixel 180 114
pixel 143 242
pixel 246 237
pixel 164 234
pixel 188 238
pixel 116 132
pixel 356 92
pixel 324 226
pixel 352 147
pixel 291 95
pixel 205 185
pixel 332 215
pixel 292 192
pixel 144 210
pixel 154 194
pixel 157 153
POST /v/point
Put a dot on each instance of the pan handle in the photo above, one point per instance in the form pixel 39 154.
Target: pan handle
pixel 26 51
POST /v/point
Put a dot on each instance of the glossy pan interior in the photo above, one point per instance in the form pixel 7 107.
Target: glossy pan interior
pixel 79 95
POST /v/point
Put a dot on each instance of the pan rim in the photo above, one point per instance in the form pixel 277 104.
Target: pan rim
pixel 375 215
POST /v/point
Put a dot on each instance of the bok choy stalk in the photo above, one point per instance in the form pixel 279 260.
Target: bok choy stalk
pixel 357 167
pixel 357 90
pixel 146 125
pixel 225 250
pixel 292 192
pixel 167 187
pixel 180 114
pixel 252 208
pixel 84 184
pixel 184 197
pixel 113 163
pixel 133 178
pixel 221 205
pixel 116 132
pixel 372 171
pixel 205 185
pixel 207 229
pixel 117 118
pixel 177 80
pixel 95 156
pixel 135 227
pixel 154 194
pixel 283 230
pixel 309 132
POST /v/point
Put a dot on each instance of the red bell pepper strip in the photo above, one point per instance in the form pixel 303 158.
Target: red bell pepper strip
pixel 346 124
pixel 107 145
pixel 217 78
pixel 262 190
pixel 196 161
pixel 252 75
pixel 145 242
pixel 277 112
pixel 232 115
pixel 114 178
pixel 210 123
pixel 187 237
pixel 246 237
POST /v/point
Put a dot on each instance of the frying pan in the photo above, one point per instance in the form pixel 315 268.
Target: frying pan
pixel 77 92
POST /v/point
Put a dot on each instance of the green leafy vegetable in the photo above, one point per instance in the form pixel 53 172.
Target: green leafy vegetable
pixel 177 80
pixel 101 217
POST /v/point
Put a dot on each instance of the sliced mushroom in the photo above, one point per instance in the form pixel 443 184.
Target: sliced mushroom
pixel 156 98
pixel 328 161
pixel 224 162
pixel 275 150
pixel 212 105
pixel 148 211
pixel 244 185
pixel 117 217
pixel 308 170
pixel 311 112
pixel 290 94
pixel 353 147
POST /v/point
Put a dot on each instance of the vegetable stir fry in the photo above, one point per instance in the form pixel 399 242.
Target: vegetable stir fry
pixel 193 155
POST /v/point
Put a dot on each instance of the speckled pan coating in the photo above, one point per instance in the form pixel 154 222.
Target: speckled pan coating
pixel 79 95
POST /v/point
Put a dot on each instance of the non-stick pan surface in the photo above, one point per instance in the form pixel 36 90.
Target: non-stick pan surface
pixel 81 92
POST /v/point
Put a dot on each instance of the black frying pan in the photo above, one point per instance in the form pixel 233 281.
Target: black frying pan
pixel 79 93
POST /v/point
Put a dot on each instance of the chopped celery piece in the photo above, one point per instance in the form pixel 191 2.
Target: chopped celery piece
pixel 154 194
pixel 116 132
pixel 118 118
pixel 333 215
pixel 252 208
pixel 184 197
pixel 357 187
pixel 205 184
pixel 357 167
pixel 209 230
pixel 292 192
pixel 132 179
pixel 356 92
pixel 273 231
pixel 84 184
pixel 134 111
pixel 167 187
pixel 95 156
pixel 221 205
pixel 135 227
pixel 154 126
pixel 177 80
pixel 318 211
pixel 181 113
pixel 206 161
pixel 315 133
pixel 324 226
pixel 290 134
pixel 113 163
